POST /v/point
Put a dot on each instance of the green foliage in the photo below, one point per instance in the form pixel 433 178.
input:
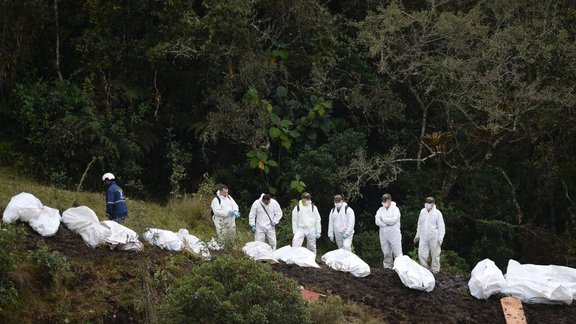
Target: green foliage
pixel 331 310
pixel 8 235
pixel 51 267
pixel 234 290
pixel 367 247
pixel 451 262
pixel 495 241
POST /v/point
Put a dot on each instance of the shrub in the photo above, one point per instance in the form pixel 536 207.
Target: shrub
pixel 8 293
pixel 234 290
pixel 367 247
pixel 51 266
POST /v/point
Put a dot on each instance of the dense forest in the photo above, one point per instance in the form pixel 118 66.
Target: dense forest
pixel 472 102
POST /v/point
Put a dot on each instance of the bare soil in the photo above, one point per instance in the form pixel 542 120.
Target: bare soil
pixel 449 302
pixel 382 290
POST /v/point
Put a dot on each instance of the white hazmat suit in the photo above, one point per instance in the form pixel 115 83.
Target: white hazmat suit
pixel 340 225
pixel 224 222
pixel 388 219
pixel 306 225
pixel 430 233
pixel 264 218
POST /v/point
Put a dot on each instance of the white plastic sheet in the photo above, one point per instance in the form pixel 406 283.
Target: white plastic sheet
pixel 27 208
pixel 414 275
pixel 164 239
pixel 83 220
pixel 486 279
pixel 21 204
pixel 193 244
pixel 300 256
pixel 537 284
pixel 45 221
pixel 122 237
pixel 346 261
pixel 259 251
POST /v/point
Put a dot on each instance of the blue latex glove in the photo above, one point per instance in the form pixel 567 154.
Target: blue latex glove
pixel 273 224
pixel 345 235
pixel 253 228
pixel 331 239
pixel 236 214
pixel 231 213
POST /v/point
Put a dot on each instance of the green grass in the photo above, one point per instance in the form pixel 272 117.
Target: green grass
pixel 191 212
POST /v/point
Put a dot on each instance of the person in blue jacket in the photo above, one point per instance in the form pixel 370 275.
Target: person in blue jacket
pixel 116 208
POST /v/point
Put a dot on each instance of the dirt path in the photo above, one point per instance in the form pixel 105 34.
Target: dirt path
pixel 449 302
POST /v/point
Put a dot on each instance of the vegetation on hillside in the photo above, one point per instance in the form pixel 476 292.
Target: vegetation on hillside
pixel 469 101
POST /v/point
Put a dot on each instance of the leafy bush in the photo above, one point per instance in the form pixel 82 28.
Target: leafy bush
pixel 8 292
pixel 452 263
pixel 367 247
pixel 51 266
pixel 234 290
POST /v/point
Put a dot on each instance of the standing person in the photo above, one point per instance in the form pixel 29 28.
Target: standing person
pixel 341 224
pixel 430 234
pixel 306 223
pixel 116 208
pixel 225 212
pixel 264 215
pixel 388 219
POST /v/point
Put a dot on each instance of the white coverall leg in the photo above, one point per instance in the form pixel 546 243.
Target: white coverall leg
pixel 262 235
pixel 309 234
pixel 391 244
pixel 345 244
pixel 430 249
pixel 225 227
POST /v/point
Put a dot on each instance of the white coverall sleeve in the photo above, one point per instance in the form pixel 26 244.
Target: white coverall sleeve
pixel 276 212
pixel 331 224
pixel 294 219
pixel 351 221
pixel 392 217
pixel 420 221
pixel 234 204
pixel 378 218
pixel 441 227
pixel 318 222
pixel 216 207
pixel 253 212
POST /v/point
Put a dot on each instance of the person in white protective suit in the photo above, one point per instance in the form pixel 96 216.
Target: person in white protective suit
pixel 263 218
pixel 388 219
pixel 341 224
pixel 430 234
pixel 306 223
pixel 224 214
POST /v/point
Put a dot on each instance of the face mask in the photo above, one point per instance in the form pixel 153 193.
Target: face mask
pixel 428 206
pixel 338 205
pixel 307 202
pixel 386 204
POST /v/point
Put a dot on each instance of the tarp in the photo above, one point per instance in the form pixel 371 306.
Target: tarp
pixel 164 239
pixel 414 275
pixel 537 284
pixel 259 251
pixel 27 208
pixel 82 220
pixel 346 261
pixel 486 279
pixel 300 256
pixel 193 244
pixel 122 237
pixel 21 204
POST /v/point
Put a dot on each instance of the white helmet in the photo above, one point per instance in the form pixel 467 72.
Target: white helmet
pixel 108 176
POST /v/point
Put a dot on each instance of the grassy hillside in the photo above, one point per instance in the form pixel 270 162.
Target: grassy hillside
pixel 60 279
pixel 192 213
